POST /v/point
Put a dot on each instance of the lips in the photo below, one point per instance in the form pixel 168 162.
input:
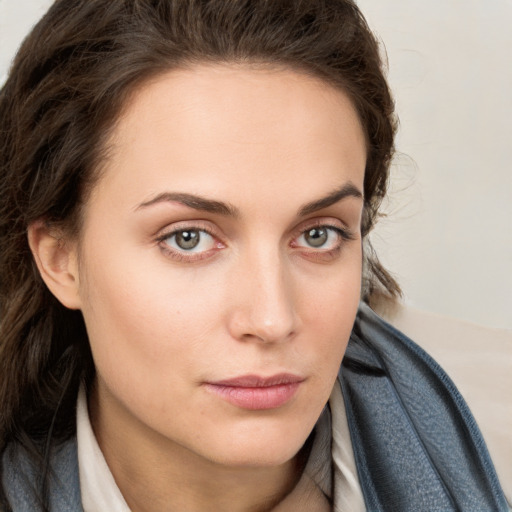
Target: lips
pixel 254 392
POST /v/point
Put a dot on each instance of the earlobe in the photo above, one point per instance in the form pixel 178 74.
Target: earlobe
pixel 57 262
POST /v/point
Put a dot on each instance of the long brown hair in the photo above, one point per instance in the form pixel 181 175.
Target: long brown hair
pixel 64 92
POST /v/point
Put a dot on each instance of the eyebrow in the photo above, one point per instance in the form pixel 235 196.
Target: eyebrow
pixel 221 208
pixel 347 190
pixel 195 202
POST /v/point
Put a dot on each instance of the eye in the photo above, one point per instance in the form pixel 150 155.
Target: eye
pixel 321 237
pixel 316 237
pixel 189 244
pixel 190 240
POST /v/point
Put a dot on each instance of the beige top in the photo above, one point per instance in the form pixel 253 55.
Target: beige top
pixel 479 361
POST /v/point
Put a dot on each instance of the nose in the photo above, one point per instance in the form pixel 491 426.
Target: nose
pixel 263 307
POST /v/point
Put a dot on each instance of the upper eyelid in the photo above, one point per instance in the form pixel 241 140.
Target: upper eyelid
pixel 322 220
pixel 328 222
pixel 176 227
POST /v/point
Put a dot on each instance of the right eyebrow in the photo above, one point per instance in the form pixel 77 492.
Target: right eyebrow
pixel 192 201
pixel 347 190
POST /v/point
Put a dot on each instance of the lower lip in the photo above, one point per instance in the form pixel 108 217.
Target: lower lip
pixel 258 398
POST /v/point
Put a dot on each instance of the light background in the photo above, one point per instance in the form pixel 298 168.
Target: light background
pixel 448 233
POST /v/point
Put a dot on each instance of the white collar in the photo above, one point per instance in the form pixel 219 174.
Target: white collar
pixel 97 485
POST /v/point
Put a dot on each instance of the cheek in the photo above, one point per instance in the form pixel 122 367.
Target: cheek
pixel 146 339
pixel 331 301
pixel 136 320
pixel 328 313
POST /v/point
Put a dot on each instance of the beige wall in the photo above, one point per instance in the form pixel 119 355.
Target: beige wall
pixel 449 234
pixel 448 237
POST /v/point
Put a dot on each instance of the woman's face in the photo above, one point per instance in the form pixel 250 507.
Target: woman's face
pixel 220 260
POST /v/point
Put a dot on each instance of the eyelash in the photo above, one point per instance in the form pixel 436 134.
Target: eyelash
pixel 183 255
pixel 325 255
pixel 344 234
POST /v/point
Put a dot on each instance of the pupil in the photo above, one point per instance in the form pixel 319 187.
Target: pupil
pixel 316 237
pixel 187 239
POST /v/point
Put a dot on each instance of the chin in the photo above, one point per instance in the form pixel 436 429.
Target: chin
pixel 259 447
pixel 263 457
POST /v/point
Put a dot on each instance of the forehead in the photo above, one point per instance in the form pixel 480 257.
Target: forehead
pixel 213 125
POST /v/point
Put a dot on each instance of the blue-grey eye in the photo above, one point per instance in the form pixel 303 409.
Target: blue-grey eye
pixel 191 240
pixel 320 237
pixel 316 237
pixel 188 239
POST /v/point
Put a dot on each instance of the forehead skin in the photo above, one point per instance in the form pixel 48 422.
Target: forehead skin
pixel 266 113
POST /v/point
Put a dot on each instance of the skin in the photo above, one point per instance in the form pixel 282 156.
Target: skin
pixel 254 297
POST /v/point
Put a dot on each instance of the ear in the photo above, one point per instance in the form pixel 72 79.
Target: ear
pixel 57 262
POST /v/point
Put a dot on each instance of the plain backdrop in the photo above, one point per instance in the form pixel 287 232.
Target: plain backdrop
pixel 447 236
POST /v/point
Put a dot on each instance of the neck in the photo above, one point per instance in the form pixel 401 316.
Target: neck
pixel 156 473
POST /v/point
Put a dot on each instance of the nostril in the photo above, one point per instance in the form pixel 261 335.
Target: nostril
pixel 269 337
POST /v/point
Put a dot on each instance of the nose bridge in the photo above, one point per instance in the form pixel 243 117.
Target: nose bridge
pixel 265 310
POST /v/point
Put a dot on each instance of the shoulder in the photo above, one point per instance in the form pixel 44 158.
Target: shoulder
pixel 21 478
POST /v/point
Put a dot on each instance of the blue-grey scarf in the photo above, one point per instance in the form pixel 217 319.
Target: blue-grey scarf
pixel 417 446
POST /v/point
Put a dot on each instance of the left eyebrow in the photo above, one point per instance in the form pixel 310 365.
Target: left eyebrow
pixel 347 190
pixel 193 201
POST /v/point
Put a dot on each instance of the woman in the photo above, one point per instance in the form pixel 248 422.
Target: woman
pixel 187 188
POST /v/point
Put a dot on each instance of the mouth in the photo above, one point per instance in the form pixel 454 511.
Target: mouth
pixel 253 392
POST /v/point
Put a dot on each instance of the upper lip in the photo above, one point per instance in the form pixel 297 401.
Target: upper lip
pixel 257 381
